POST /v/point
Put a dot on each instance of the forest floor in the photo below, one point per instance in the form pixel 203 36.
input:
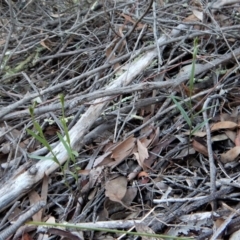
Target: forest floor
pixel 120 119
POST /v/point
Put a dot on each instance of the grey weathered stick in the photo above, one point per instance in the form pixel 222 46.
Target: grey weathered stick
pixel 157 225
pixel 20 185
pixel 209 143
pixel 121 90
pixel 21 220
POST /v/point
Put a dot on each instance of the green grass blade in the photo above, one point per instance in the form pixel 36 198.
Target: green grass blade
pixel 183 112
pixel 116 231
pixel 67 147
pixel 40 139
pixel 40 157
pixel 63 120
pixel 193 66
pixel 199 126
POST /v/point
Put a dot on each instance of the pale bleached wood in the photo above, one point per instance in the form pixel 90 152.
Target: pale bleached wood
pixel 23 183
pixel 20 185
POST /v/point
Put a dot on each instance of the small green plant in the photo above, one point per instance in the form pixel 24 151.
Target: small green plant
pixel 190 119
pixel 39 136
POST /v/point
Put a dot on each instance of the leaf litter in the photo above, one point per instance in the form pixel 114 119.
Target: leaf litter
pixel 135 145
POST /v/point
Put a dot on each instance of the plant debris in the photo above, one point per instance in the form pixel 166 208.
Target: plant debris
pixel 151 109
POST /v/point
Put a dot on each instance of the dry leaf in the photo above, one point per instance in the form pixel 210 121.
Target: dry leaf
pixel 235 235
pixel 123 149
pixel 142 150
pixel 237 139
pixel 223 125
pixel 142 228
pixel 116 189
pixel 197 133
pixel 198 14
pixel 44 44
pixel 191 18
pixel 219 137
pixel 231 134
pixel 146 142
pixel 100 159
pixel 185 152
pixel 34 198
pixel 200 148
pixel 129 196
pixel 230 155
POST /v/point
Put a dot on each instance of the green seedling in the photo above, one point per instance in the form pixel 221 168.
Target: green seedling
pixel 39 136
pixel 66 142
pixel 189 120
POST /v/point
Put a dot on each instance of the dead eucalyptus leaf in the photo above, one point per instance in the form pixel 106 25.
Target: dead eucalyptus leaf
pixel 237 139
pixel 235 235
pixel 223 125
pixel 123 149
pixel 142 228
pixel 142 153
pixel 116 189
pixel 230 155
pixel 129 196
pixel 198 14
pixel 231 134
pixel 200 148
pixel 219 137
pixel 197 133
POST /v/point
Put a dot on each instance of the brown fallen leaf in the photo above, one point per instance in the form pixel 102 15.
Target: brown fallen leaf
pixel 129 196
pixel 219 137
pixel 141 154
pixel 116 189
pixel 237 139
pixel 231 134
pixel 34 198
pixel 223 125
pixel 65 234
pixel 111 206
pixel 230 155
pixel 197 133
pixel 142 228
pixel 198 14
pixel 99 161
pixel 185 152
pixel 123 149
pixel 200 148
pixel 191 18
